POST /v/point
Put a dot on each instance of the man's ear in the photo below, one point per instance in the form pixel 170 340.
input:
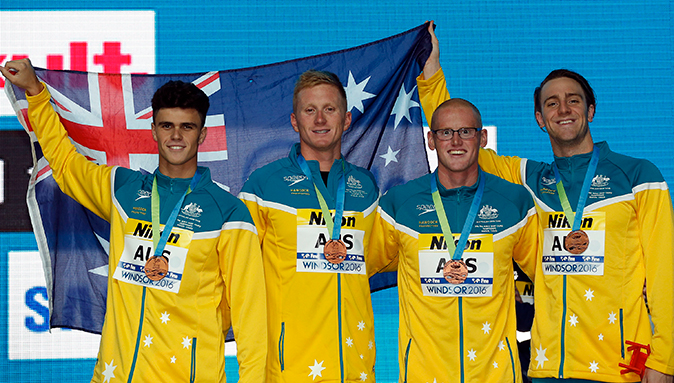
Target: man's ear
pixel 202 135
pixel 540 121
pixel 347 121
pixel 154 132
pixel 293 122
pixel 483 138
pixel 431 142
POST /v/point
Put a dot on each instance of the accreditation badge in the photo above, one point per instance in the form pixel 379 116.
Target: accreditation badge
pixel 579 252
pixel 472 276
pixel 316 253
pixel 138 253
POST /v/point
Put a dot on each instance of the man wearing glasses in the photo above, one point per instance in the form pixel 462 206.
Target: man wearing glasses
pixel 608 231
pixel 457 307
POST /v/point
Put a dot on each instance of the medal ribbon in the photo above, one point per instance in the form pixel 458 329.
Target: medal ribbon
pixel 333 229
pixel 456 251
pixel 157 242
pixel 575 220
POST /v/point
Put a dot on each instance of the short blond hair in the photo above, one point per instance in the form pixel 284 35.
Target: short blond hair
pixel 313 78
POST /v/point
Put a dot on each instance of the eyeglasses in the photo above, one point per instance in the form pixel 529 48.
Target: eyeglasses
pixel 464 133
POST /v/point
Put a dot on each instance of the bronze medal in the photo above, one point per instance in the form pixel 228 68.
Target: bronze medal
pixel 335 251
pixel 156 267
pixel 576 242
pixel 455 272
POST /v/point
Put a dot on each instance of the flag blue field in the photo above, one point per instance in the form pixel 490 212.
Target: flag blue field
pixel 108 117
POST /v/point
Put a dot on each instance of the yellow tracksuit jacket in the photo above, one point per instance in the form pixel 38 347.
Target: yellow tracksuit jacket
pixel 172 330
pixel 321 327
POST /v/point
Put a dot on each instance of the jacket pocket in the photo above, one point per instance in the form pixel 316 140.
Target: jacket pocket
pixel 281 340
pixel 512 360
pixel 622 335
pixel 407 357
pixel 193 361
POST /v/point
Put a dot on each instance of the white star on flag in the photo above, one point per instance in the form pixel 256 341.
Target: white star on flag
pixel 165 317
pixel 173 359
pixel 316 369
pixel 390 156
pixel 573 319
pixel 486 327
pixel 501 346
pixel 403 105
pixel 186 342
pixel 109 371
pixel 102 270
pixel 594 366
pixel 495 365
pixel 356 94
pixel 601 336
pixel 589 294
pixel 361 325
pixel 361 356
pixel 472 354
pixel 349 342
pixel 370 345
pixel 148 340
pixel 611 317
pixel 540 356
pixel 363 376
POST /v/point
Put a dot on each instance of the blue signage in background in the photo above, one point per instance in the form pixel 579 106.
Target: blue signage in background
pixel 493 54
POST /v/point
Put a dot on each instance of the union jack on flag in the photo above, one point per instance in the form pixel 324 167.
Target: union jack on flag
pixel 108 117
pixel 112 126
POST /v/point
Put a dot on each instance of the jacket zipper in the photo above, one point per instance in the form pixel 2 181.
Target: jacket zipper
pixel 561 360
pixel 339 319
pixel 463 377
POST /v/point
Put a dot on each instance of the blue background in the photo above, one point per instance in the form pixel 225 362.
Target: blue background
pixel 494 54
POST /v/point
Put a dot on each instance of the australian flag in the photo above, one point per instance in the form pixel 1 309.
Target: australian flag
pixel 108 118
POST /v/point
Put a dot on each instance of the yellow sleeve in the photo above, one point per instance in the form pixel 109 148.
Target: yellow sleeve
pixel 245 294
pixel 656 222
pixel 384 245
pixel 508 168
pixel 432 92
pixel 529 249
pixel 257 212
pixel 87 183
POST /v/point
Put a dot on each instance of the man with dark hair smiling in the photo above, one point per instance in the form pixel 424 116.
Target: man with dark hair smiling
pixel 184 263
pixel 608 231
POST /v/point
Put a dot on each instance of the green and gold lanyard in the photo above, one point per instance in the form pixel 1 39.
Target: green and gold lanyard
pixel 456 271
pixel 334 250
pixel 156 267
